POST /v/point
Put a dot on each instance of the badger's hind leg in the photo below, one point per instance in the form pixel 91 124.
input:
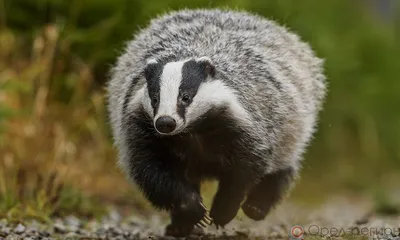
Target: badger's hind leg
pixel 267 193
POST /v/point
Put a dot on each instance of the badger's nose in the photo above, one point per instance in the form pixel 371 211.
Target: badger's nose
pixel 165 124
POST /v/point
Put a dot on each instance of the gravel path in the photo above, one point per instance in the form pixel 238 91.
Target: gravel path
pixel 329 220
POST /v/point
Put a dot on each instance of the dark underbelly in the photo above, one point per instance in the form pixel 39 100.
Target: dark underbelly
pixel 207 155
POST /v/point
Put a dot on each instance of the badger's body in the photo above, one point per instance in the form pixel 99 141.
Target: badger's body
pixel 214 94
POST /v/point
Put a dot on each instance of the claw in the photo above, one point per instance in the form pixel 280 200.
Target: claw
pixel 202 224
pixel 202 204
pixel 199 226
pixel 207 221
pixel 208 217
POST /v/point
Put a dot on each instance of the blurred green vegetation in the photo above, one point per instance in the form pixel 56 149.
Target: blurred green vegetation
pixel 55 56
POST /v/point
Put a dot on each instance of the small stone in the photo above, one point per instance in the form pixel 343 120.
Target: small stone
pixel 73 221
pixel 34 224
pixel 114 216
pixel 73 229
pixel 71 235
pixel 107 227
pixel 6 230
pixel 100 231
pixel 116 231
pixel 364 219
pixel 44 234
pixel 135 232
pixel 82 232
pixel 242 233
pixel 32 231
pixel 136 221
pixel 19 229
pixel 12 236
pixel 102 236
pixel 59 228
pixel 125 227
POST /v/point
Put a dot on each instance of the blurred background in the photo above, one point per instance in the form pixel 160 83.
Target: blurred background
pixel 56 152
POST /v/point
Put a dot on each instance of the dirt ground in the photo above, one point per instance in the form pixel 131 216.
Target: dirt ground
pixel 341 218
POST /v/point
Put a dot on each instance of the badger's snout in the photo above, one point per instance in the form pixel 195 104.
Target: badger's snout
pixel 165 124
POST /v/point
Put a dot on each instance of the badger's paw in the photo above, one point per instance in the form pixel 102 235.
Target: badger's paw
pixel 191 211
pixel 178 231
pixel 205 221
pixel 222 214
pixel 254 212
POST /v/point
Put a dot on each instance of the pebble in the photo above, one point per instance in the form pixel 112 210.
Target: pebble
pixel 136 221
pixel 114 216
pixel 6 230
pixel 59 228
pixel 71 235
pixel 73 221
pixel 19 229
pixel 44 234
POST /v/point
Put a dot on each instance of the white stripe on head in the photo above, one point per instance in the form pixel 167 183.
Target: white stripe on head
pixel 170 82
pixel 216 94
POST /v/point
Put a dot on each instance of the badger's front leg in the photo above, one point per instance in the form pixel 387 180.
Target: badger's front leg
pixel 180 226
pixel 165 186
pixel 231 192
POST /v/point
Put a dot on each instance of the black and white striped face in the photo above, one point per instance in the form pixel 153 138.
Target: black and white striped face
pixel 178 92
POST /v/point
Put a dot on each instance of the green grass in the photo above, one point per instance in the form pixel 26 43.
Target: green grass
pixel 384 205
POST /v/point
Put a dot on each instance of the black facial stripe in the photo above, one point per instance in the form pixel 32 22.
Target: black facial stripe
pixel 182 111
pixel 152 74
pixel 193 74
pixel 128 94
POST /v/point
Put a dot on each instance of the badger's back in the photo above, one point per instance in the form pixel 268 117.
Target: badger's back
pixel 277 78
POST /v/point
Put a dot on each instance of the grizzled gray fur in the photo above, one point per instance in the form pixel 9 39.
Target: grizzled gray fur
pixel 214 94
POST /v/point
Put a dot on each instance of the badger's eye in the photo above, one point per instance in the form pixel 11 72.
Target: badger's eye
pixel 185 98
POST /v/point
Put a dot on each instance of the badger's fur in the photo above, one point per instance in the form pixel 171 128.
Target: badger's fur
pixel 214 94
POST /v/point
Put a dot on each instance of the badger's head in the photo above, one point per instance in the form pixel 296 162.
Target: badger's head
pixel 179 93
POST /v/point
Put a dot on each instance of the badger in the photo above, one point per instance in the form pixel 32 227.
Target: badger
pixel 214 94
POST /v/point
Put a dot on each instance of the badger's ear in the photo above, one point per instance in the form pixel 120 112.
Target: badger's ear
pixel 151 69
pixel 151 61
pixel 207 64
